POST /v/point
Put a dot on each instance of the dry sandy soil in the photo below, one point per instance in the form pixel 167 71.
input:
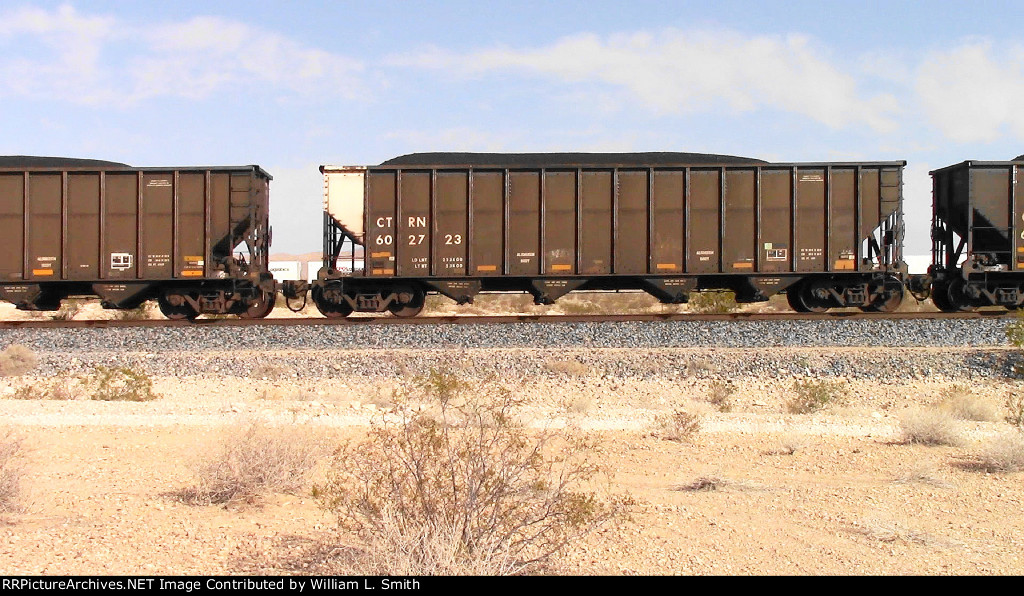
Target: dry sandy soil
pixel 835 492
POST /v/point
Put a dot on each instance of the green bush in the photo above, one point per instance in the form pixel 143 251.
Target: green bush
pixel 811 396
pixel 120 383
pixel 711 303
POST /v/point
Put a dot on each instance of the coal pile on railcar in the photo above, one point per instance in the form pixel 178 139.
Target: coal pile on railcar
pixel 661 158
pixel 37 161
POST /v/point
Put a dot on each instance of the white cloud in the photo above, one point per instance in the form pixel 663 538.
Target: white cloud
pixel 71 45
pixel 971 95
pixel 95 59
pixel 201 55
pixel 687 71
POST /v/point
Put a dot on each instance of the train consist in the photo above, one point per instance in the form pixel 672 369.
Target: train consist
pixel 826 234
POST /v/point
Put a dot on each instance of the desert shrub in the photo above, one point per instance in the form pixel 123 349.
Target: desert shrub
pixel 790 443
pixel 1015 330
pixel 463 489
pixel 579 306
pixel 586 303
pixel 1015 410
pixel 1004 453
pixel 958 401
pixel 384 397
pixel 139 313
pixel 11 471
pixel 16 359
pixel 719 394
pixel 922 474
pixel 887 530
pixel 119 383
pixel 681 425
pixel 573 368
pixel 59 388
pixel 930 426
pixel 253 461
pixel 811 396
pixel 703 484
pixel 269 370
pixel 580 404
pixel 717 483
pixel 713 302
pixel 68 309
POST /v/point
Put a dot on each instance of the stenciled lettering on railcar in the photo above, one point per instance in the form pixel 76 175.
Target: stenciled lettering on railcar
pixel 159 182
pixel 811 254
pixel 452 262
pixel 158 260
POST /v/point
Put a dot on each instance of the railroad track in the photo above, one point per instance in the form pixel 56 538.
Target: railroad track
pixel 503 319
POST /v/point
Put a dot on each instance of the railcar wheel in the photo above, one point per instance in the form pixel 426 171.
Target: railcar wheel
pixel 261 307
pixel 957 300
pixel 331 310
pixel 890 299
pixel 173 311
pixel 410 303
pixel 809 302
pixel 793 298
pixel 940 298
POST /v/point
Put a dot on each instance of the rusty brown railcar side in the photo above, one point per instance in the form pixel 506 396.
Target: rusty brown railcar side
pixel 792 218
pixel 756 229
pixel 129 234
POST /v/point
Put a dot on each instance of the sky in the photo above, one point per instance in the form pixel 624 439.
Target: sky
pixel 292 85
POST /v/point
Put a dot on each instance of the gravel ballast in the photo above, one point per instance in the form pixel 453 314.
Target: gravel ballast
pixel 670 334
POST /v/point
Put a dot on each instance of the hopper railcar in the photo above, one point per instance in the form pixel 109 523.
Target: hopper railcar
pixel 72 227
pixel 977 236
pixel 826 234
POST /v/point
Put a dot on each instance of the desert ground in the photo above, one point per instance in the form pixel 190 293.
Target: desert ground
pixel 754 489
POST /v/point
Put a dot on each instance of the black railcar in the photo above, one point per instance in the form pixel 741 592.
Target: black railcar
pixel 977 235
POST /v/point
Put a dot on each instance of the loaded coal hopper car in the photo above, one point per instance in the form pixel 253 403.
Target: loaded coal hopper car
pixel 977 236
pixel 825 234
pixel 195 239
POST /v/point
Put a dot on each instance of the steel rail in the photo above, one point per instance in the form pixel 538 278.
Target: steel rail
pixel 501 319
